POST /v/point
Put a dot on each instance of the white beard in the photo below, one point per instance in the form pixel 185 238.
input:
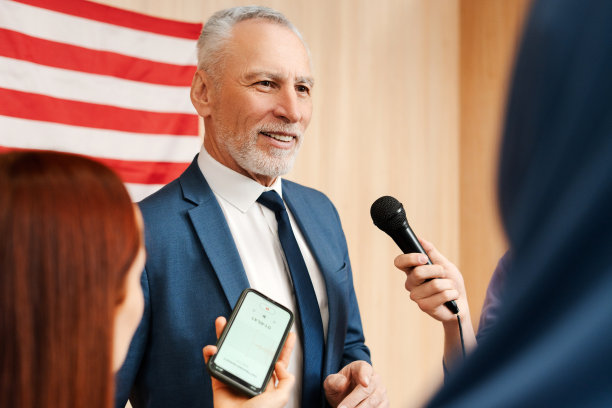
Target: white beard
pixel 272 163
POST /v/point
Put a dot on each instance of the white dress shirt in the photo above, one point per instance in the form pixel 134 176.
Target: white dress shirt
pixel 254 229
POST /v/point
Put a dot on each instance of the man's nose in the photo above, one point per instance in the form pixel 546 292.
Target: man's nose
pixel 288 106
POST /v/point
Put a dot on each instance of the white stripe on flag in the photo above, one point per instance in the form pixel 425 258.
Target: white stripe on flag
pixel 140 191
pixel 104 90
pixel 54 26
pixel 30 134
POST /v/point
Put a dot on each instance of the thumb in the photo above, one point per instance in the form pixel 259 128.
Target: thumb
pixel 336 383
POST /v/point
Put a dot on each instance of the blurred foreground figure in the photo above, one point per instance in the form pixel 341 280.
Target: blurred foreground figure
pixel 71 257
pixel 551 344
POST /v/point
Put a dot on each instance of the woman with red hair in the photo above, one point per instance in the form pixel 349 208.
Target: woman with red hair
pixel 71 257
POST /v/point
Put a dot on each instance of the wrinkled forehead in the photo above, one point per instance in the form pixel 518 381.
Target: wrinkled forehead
pixel 259 40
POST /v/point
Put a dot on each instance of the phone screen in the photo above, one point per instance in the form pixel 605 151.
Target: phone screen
pixel 251 342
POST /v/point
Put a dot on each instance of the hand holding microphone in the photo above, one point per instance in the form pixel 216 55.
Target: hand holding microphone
pixel 434 287
pixel 388 214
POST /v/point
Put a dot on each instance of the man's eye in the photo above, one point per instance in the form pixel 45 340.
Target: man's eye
pixel 303 89
pixel 266 84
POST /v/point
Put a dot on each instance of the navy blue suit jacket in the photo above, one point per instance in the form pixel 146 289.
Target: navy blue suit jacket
pixel 194 274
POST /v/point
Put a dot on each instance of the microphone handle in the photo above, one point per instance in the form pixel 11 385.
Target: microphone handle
pixel 408 243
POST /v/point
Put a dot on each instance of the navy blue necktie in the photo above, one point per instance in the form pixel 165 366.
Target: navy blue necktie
pixel 308 307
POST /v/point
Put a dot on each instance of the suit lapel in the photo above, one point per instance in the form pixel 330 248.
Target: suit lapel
pixel 311 229
pixel 213 233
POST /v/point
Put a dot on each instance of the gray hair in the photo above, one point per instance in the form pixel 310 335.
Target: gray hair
pixel 218 29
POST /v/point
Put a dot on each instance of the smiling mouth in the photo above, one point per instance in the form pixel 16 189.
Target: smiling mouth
pixel 280 138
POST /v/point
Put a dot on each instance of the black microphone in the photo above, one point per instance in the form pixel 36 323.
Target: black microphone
pixel 388 214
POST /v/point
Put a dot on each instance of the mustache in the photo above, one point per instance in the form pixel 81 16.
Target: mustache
pixel 292 129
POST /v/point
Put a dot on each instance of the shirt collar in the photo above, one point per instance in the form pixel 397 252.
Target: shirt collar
pixel 237 189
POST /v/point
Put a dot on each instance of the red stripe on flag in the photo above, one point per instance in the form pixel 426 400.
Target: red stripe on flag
pixel 24 47
pixel 119 17
pixel 136 172
pixel 44 108
pixel 141 172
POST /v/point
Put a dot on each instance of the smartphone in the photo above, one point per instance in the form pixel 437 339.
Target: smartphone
pixel 251 343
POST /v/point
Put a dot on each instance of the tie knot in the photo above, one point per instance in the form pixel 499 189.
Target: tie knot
pixel 272 200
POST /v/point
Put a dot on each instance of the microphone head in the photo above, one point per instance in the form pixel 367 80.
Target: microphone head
pixel 388 214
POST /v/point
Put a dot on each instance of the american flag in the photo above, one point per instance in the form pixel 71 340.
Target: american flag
pixel 91 79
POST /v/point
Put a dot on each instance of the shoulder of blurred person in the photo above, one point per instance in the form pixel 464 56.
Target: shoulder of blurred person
pixel 493 303
pixel 550 345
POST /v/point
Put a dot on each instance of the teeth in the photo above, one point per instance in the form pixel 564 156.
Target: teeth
pixel 281 138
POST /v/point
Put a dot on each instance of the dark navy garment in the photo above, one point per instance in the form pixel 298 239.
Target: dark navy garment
pixel 492 306
pixel 552 343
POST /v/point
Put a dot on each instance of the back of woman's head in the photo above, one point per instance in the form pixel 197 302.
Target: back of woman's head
pixel 68 237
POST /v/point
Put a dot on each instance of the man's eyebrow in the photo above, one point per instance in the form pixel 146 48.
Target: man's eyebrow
pixel 305 80
pixel 278 78
pixel 261 74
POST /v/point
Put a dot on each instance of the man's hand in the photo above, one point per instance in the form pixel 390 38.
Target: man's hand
pixel 446 283
pixel 357 384
pixel 276 394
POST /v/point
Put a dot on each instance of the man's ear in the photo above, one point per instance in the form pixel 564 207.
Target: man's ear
pixel 201 87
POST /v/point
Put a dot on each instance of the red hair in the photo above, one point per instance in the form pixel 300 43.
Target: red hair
pixel 68 238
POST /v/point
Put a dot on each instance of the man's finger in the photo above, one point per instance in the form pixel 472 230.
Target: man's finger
pixel 374 395
pixel 364 372
pixel 357 395
pixel 359 372
pixel 336 384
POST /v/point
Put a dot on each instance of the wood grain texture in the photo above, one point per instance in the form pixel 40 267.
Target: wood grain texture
pixel 490 30
pixel 407 103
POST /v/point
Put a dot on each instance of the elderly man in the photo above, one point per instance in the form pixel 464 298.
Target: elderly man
pixel 224 224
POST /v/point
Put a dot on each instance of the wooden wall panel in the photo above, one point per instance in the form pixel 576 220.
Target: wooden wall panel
pixel 489 33
pixel 390 76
